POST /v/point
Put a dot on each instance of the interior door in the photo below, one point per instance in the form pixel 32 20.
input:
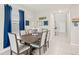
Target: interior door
pixel 61 24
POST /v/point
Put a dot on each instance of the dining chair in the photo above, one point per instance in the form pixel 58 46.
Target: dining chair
pixel 39 29
pixel 30 31
pixel 19 39
pixel 22 32
pixel 34 32
pixel 47 39
pixel 40 44
pixel 15 47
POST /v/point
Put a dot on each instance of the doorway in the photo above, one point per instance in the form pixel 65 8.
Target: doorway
pixel 60 23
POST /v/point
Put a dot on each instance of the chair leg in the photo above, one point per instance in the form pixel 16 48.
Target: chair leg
pixel 10 52
pixel 44 47
pixel 18 54
pixel 48 44
pixel 28 51
pixel 39 51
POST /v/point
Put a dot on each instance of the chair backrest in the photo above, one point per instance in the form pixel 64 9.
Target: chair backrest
pixel 13 42
pixel 30 30
pixel 39 29
pixel 34 32
pixel 22 32
pixel 43 38
pixel 48 36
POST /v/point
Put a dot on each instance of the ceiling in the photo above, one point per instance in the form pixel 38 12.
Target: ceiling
pixel 47 7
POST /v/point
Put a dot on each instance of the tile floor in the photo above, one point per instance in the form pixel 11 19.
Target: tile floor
pixel 61 45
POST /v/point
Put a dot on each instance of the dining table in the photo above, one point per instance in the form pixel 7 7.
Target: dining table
pixel 31 38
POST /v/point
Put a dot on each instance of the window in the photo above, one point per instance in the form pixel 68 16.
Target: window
pixel 45 23
pixel 75 24
pixel 27 23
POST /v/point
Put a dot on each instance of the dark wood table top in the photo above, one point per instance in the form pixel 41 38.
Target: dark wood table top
pixel 29 38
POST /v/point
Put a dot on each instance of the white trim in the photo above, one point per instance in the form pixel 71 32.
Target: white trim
pixel 74 44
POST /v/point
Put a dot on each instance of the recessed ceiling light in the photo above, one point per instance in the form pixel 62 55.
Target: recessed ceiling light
pixel 60 11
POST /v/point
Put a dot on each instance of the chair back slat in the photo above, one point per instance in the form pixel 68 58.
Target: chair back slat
pixel 43 38
pixel 48 36
pixel 13 42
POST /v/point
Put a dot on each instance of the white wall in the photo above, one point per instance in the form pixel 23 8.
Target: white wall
pixel 29 16
pixel 1 26
pixel 15 19
pixel 74 12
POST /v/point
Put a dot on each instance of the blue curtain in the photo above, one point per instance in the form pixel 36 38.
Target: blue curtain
pixel 7 24
pixel 21 20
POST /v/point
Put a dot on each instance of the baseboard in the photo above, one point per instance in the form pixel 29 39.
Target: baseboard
pixel 4 50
